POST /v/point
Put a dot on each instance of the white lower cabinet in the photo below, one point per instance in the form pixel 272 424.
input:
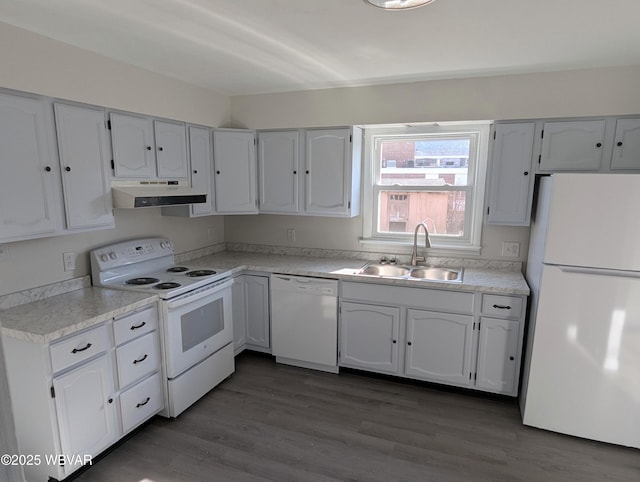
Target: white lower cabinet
pixel 74 397
pixel 369 337
pixel 251 320
pixel 433 335
pixel 439 346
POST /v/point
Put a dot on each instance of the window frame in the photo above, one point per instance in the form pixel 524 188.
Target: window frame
pixel 470 242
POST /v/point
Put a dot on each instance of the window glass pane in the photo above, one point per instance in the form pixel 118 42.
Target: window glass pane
pixel 419 162
pixel 442 212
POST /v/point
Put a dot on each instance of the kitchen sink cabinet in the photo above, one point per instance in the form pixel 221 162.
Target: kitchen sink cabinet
pixel 79 394
pixel 251 319
pixel 235 165
pixel 511 176
pixel 369 337
pixel 439 347
pixel 147 148
pixel 30 171
pixel 464 339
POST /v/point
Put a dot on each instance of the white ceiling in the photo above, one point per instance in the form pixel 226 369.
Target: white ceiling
pixel 241 47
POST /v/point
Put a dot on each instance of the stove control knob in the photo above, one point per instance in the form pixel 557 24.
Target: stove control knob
pixel 113 255
pixel 104 257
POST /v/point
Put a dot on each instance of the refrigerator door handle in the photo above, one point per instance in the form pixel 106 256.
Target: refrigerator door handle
pixel 600 271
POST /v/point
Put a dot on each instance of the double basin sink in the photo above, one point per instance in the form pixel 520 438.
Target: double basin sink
pixel 427 273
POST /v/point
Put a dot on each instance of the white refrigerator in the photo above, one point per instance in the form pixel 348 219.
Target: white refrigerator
pixel 582 365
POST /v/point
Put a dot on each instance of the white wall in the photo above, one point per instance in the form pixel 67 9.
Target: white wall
pixel 33 63
pixel 541 95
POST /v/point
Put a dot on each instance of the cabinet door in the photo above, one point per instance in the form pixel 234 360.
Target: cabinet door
pixel 497 355
pixel 83 160
pixel 574 146
pixel 171 150
pixel 257 310
pixel 85 408
pixel 439 347
pixel 278 171
pixel 328 171
pixel 234 158
pixel 511 180
pixel 626 146
pixel 133 147
pixel 29 174
pixel 239 314
pixel 201 168
pixel 369 337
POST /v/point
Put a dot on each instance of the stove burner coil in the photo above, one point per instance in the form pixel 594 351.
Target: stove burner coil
pixel 177 269
pixel 141 281
pixel 200 272
pixel 168 285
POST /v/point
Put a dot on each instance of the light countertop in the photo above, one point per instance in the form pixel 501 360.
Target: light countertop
pixel 51 318
pixel 48 319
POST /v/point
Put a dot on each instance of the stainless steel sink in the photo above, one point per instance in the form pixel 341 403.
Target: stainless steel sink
pixel 385 270
pixel 427 273
pixel 437 274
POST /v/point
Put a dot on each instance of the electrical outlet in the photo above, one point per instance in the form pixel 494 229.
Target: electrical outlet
pixel 510 249
pixel 69 260
pixel 291 235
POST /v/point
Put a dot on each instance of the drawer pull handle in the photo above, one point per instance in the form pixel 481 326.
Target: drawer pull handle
pixel 140 360
pixel 142 404
pixel 76 350
pixel 502 307
pixel 135 327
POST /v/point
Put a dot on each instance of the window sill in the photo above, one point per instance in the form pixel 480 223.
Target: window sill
pixel 434 250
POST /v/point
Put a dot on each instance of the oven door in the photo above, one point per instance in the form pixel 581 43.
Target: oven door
pixel 196 325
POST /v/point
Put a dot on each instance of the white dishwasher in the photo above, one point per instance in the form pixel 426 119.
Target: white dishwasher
pixel 304 322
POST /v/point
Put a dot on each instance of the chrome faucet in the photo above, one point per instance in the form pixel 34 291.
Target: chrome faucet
pixel 415 259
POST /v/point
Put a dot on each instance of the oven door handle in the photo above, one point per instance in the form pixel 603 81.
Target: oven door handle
pixel 199 294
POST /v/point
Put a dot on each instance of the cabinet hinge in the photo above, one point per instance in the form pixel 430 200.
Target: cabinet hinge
pixel 53 392
pixel 349 205
pixel 488 209
pixel 109 124
pixel 469 375
pixel 474 325
pixel 542 134
pixel 539 158
pixel 350 138
pixel 475 376
pixel 479 324
pixel 113 165
pixel 494 135
pixel 254 141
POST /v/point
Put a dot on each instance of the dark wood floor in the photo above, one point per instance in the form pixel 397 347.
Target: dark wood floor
pixel 280 423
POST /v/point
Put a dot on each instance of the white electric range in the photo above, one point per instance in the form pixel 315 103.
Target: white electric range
pixel 196 327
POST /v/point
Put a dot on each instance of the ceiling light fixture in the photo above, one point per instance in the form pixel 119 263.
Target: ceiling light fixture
pixel 399 4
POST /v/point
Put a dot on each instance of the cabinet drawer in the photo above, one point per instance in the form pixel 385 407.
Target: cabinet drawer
pixel 138 358
pixel 141 402
pixel 79 347
pixel 135 324
pixel 502 306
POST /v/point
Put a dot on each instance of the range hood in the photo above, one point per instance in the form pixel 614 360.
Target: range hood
pixel 143 194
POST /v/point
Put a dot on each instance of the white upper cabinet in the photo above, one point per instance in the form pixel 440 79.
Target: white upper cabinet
pixel 201 168
pixel 573 145
pixel 83 160
pixel 29 180
pixel 171 150
pixel 278 163
pixel 332 171
pixel 147 148
pixel 510 176
pixel 133 146
pixel 626 144
pixel 234 158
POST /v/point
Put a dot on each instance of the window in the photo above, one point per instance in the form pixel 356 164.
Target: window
pixel 425 174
